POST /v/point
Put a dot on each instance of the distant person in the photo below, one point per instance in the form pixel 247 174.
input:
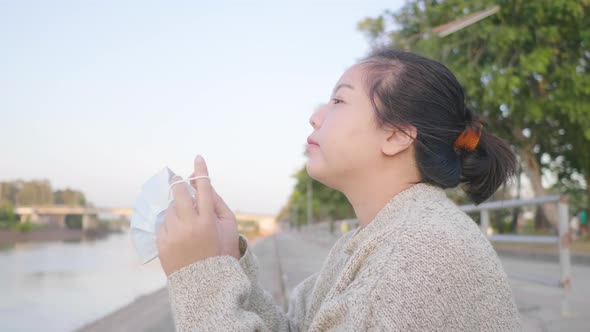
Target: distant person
pixel 574 227
pixel 344 227
pixel 396 132
pixel 583 224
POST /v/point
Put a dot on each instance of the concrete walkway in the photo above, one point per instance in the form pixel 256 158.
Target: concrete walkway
pixel 288 257
pixel 285 258
pixel 540 305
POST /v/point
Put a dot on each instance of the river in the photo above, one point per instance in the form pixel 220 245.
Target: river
pixel 61 286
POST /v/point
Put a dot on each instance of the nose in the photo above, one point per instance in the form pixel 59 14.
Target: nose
pixel 312 120
pixel 315 119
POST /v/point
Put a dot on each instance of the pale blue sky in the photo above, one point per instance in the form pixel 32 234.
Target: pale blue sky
pixel 100 95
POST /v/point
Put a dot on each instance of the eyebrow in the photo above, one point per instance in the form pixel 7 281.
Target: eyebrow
pixel 343 85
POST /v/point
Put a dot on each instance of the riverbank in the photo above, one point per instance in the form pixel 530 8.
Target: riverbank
pixel 9 238
pixel 149 312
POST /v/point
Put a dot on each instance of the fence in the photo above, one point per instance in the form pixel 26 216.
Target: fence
pixel 562 240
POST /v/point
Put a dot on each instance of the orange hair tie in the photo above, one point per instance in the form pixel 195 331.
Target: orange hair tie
pixel 468 140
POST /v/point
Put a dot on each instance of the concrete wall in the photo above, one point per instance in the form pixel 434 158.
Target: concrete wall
pixel 51 220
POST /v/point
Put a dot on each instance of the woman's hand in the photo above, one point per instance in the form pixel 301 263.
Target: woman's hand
pixel 227 225
pixel 196 230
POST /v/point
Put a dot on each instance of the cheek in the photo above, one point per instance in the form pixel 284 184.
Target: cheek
pixel 350 142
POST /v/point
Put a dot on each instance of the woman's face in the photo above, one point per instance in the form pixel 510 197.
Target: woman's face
pixel 349 141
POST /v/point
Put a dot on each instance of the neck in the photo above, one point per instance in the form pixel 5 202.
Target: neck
pixel 372 193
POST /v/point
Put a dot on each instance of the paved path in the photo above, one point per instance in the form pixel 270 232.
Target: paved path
pixel 540 305
pixel 288 257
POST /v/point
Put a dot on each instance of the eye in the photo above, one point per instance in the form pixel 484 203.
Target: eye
pixel 337 101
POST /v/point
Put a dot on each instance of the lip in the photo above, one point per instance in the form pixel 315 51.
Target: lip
pixel 310 141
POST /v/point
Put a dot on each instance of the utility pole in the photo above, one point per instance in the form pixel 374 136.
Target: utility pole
pixel 516 211
pixel 309 200
pixel 294 222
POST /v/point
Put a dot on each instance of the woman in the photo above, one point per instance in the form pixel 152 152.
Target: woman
pixel 395 133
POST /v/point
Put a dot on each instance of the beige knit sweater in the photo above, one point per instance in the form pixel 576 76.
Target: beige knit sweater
pixel 420 265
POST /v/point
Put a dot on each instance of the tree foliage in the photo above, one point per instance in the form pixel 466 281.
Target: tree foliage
pixel 69 197
pixel 327 203
pixel 525 69
pixel 38 192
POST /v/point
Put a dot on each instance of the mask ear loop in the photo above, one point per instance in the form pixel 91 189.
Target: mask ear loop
pixel 187 179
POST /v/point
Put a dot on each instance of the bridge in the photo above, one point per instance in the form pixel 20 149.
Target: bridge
pixel 55 215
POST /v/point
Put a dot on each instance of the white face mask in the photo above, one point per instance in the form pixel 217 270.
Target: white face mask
pixel 149 211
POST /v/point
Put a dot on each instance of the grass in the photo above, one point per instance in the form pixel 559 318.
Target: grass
pixel 579 247
pixel 18 226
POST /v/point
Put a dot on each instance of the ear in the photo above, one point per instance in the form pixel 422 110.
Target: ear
pixel 398 139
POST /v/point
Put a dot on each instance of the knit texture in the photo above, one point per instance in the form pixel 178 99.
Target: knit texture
pixel 420 265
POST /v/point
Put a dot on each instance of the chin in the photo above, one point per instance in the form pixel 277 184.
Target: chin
pixel 311 171
pixel 320 174
pixel 315 170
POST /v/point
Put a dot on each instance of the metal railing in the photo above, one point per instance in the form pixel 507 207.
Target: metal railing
pixel 562 240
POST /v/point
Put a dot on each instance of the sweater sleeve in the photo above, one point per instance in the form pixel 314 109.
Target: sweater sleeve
pixel 222 293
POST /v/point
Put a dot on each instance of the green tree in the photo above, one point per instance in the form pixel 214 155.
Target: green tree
pixel 525 69
pixel 9 190
pixel 35 192
pixel 39 192
pixel 327 204
pixel 69 197
pixel 7 215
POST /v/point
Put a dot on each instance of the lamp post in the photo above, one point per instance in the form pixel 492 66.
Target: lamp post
pixel 309 201
pixel 448 28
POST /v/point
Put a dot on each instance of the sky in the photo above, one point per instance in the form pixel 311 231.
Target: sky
pixel 100 95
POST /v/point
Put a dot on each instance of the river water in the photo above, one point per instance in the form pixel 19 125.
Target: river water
pixel 61 286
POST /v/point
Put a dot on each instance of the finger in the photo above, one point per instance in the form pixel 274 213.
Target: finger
pixel 193 184
pixel 193 179
pixel 183 203
pixel 170 218
pixel 161 234
pixel 168 215
pixel 162 230
pixel 204 190
pixel 221 208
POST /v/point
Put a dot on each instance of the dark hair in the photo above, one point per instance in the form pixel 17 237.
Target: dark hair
pixel 408 89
